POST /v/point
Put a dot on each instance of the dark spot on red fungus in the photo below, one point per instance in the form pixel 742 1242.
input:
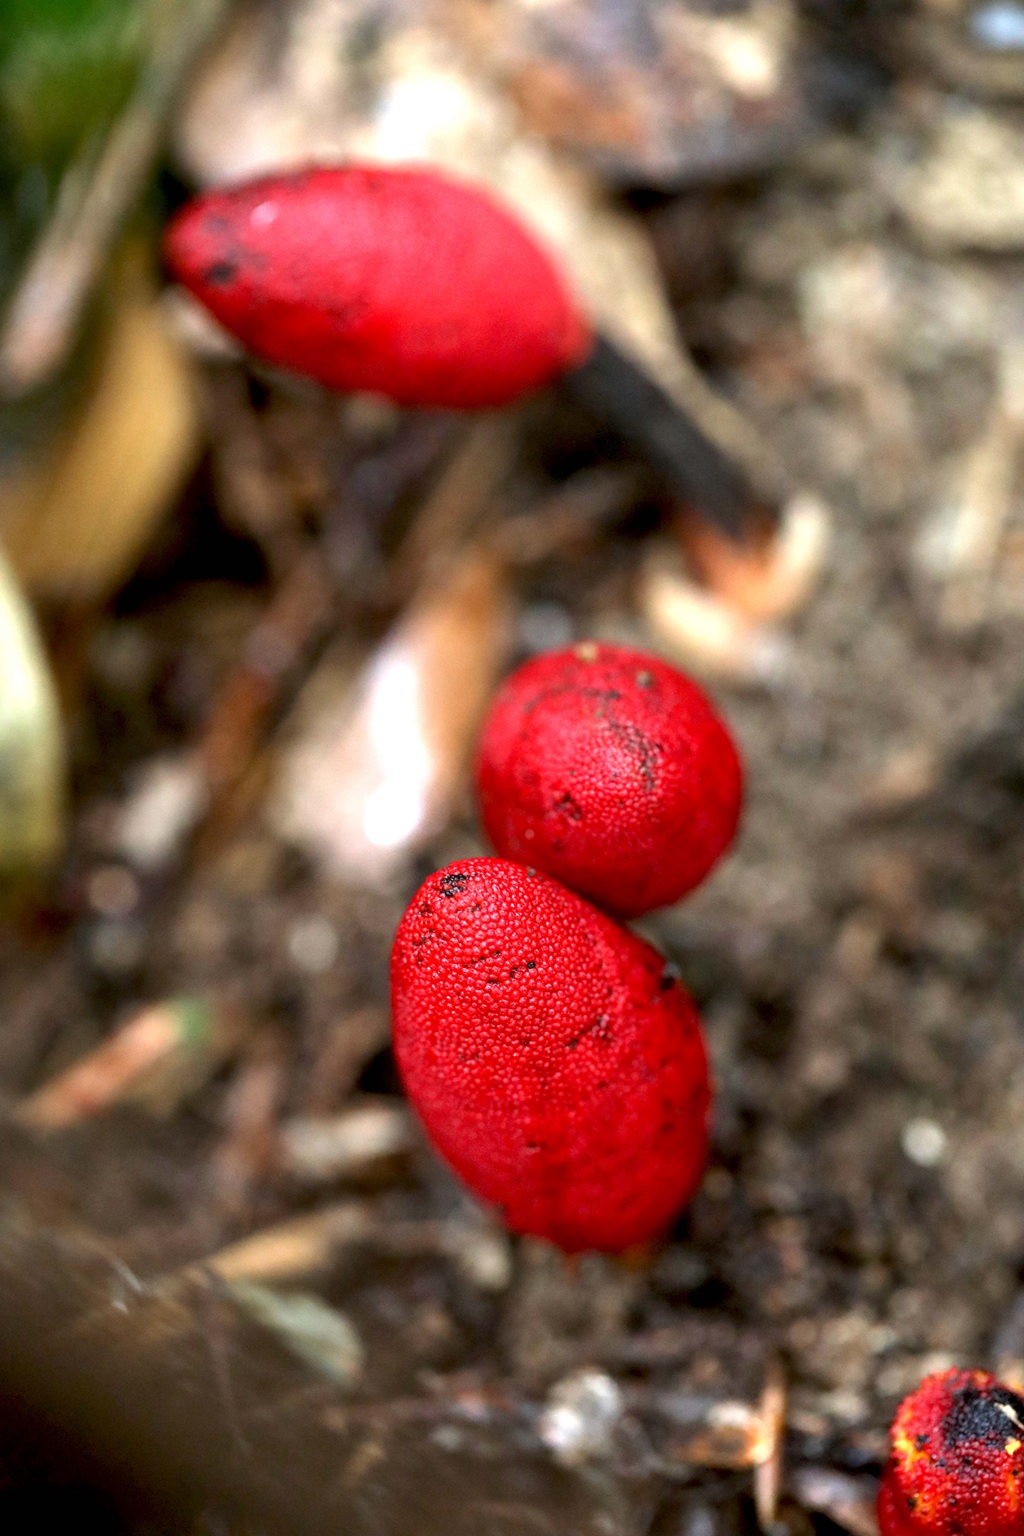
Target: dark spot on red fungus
pixel 985 1415
pixel 221 272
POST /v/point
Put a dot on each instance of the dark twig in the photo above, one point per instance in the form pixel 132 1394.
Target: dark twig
pixel 694 468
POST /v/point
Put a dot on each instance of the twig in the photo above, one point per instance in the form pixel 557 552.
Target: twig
pixel 705 453
pixel 768 1470
pixel 154 1058
pixel 577 512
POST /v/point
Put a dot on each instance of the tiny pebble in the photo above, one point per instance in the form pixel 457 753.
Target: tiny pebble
pixel 999 26
pixel 924 1142
pixel 485 1258
pixel 112 890
pixel 580 1418
pixel 116 948
pixel 166 802
pixel 544 627
pixel 313 944
pixel 448 1436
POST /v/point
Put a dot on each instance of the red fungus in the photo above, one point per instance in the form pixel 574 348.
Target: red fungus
pixel 555 1061
pixel 395 280
pixel 956 1466
pixel 611 771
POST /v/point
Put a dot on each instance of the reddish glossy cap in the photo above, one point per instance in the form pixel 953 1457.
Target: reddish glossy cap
pixel 396 280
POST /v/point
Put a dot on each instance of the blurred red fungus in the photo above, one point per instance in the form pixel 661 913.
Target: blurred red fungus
pixel 396 280
pixel 957 1460
pixel 554 1059
pixel 610 770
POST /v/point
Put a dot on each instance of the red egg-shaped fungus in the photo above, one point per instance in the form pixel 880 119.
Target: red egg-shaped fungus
pixel 553 1057
pixel 956 1466
pixel 610 770
pixel 396 280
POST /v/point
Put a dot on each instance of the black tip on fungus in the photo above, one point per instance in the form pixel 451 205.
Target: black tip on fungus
pixel 220 273
pixel 982 1414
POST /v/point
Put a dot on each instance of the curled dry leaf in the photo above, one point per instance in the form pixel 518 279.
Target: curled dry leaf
pixel 725 1433
pixel 307 1246
pixel 772 575
pixel 730 1435
pixel 701 630
pixel 299 1249
pixel 31 743
pixel 372 781
pixel 161 1054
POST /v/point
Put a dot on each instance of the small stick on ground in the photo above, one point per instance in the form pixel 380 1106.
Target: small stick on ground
pixel 768 1471
pixel 250 1142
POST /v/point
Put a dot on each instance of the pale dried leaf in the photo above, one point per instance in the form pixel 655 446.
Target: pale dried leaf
pixel 31 742
pixel 76 523
pixel 319 1149
pixel 964 186
pixel 318 1335
pixel 376 777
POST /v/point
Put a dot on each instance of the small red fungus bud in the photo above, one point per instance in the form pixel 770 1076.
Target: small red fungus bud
pixel 554 1059
pixel 395 280
pixel 610 770
pixel 956 1466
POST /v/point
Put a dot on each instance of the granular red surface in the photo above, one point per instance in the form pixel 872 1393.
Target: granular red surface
pixel 957 1461
pixel 610 770
pixel 555 1061
pixel 394 280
